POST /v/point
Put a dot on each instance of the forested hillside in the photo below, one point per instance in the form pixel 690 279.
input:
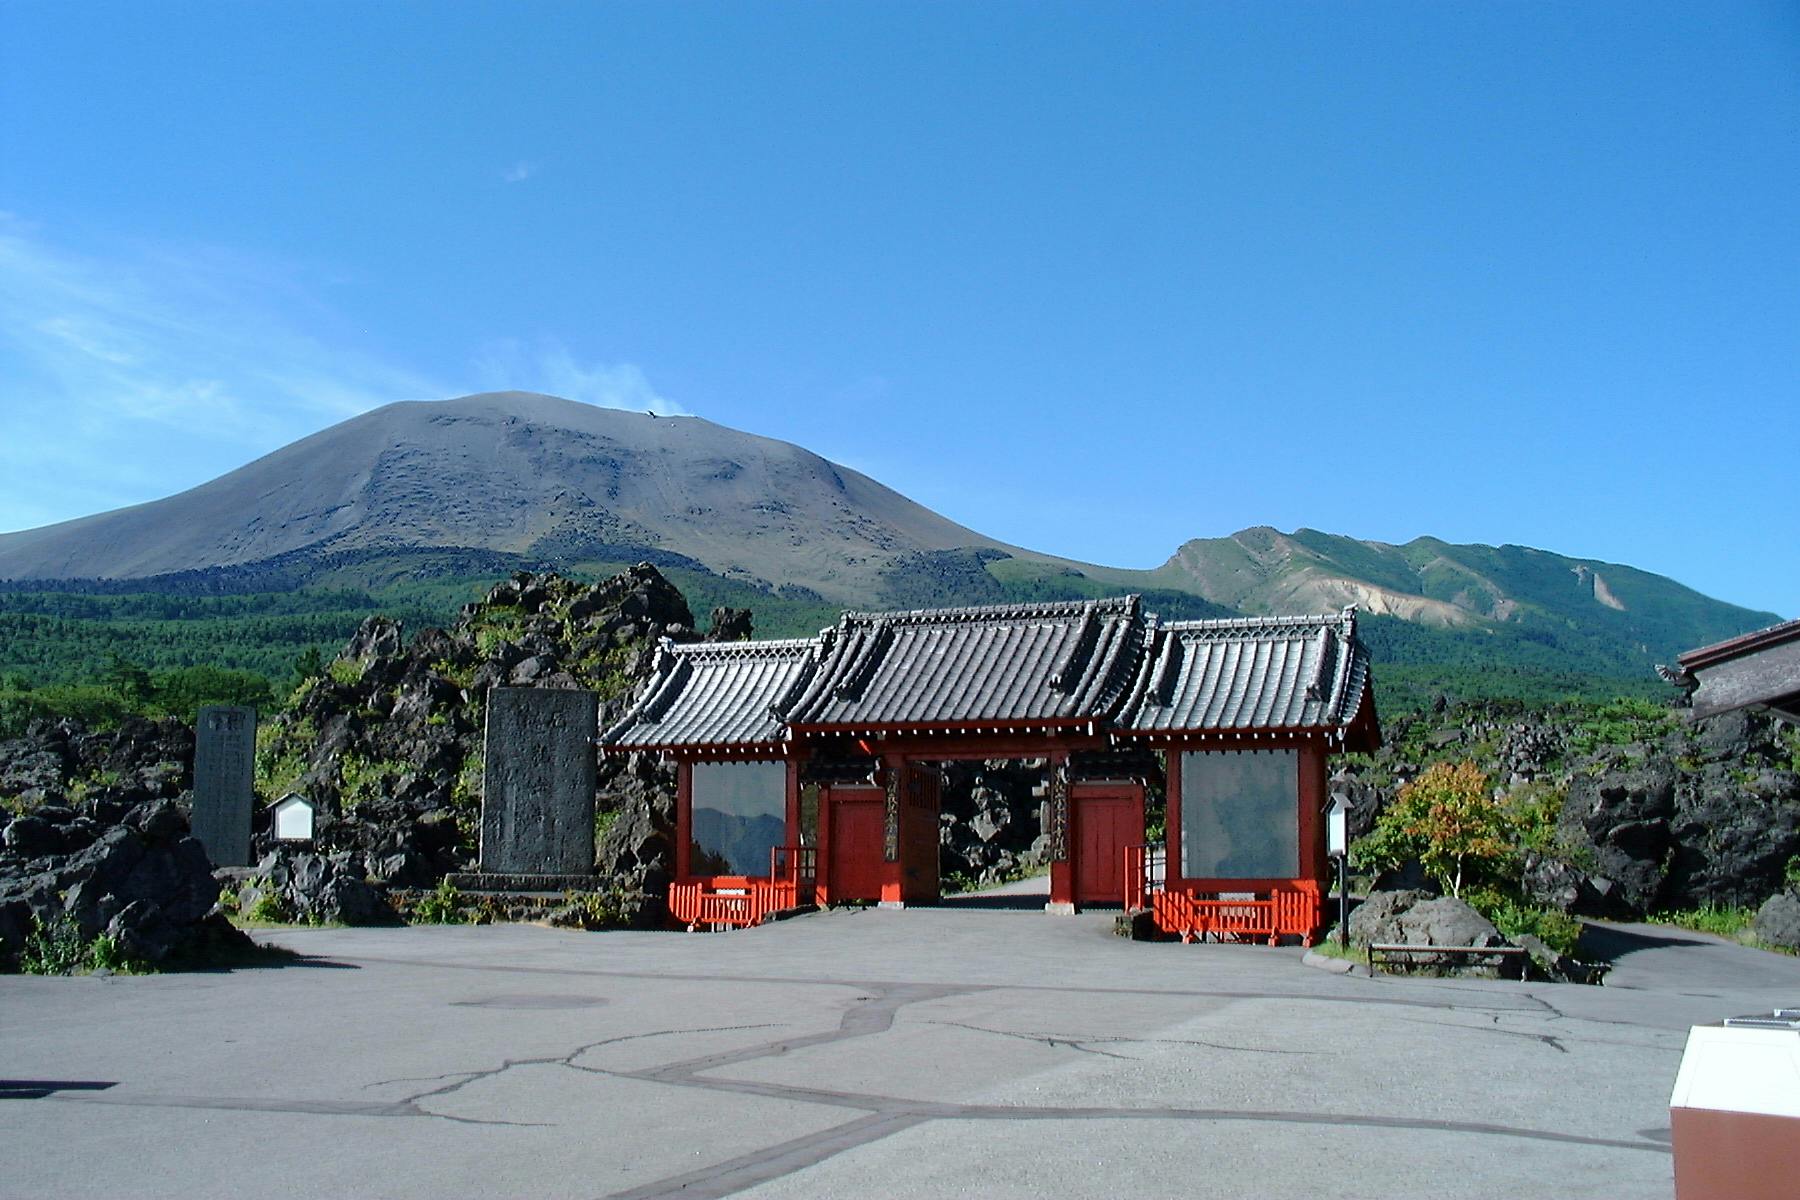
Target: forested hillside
pixel 65 651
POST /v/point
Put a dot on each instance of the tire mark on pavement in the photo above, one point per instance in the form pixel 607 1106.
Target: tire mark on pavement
pixel 772 1162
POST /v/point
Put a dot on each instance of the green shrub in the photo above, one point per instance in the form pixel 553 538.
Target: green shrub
pixel 57 949
pixel 346 671
pixel 1621 723
pixel 440 906
pixel 361 780
pixel 465 799
pixel 1516 918
pixel 280 761
pixel 268 907
pixel 499 628
pixel 1789 737
pixel 595 910
pixel 80 789
pixel 462 677
pixel 105 954
pixel 53 949
pixel 603 821
pixel 1721 920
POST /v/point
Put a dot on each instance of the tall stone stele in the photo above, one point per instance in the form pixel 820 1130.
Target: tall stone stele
pixel 537 804
pixel 224 782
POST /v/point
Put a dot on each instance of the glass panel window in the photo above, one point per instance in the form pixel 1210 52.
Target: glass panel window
pixel 739 815
pixel 1240 814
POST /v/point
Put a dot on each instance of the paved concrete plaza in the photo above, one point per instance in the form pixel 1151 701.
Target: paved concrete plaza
pixel 966 1050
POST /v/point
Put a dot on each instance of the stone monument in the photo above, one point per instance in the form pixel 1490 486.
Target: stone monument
pixel 537 805
pixel 224 766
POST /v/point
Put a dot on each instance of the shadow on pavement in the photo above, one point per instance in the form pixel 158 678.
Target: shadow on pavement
pixel 1607 943
pixel 997 902
pixel 38 1089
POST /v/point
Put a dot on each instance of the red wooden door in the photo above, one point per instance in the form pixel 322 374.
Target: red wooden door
pixel 854 861
pixel 1105 823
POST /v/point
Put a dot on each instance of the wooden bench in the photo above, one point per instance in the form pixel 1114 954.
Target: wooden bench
pixel 1405 953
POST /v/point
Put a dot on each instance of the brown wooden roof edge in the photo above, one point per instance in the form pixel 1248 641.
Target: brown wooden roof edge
pixel 1743 643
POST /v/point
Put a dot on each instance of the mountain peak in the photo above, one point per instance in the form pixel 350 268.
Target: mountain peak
pixel 520 473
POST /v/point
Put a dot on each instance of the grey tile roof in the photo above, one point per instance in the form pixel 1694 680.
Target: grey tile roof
pixel 715 694
pixel 1756 669
pixel 1252 673
pixel 1066 662
pixel 1007 666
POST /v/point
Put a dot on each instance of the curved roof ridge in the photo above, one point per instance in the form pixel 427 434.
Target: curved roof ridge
pixel 1019 609
pixel 1121 674
pixel 746 646
pixel 1284 624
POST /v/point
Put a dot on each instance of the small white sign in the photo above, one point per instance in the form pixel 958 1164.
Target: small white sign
pixel 293 818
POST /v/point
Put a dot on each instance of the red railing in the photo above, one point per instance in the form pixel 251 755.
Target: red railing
pixel 728 902
pixel 739 901
pixel 1198 917
pixel 1146 867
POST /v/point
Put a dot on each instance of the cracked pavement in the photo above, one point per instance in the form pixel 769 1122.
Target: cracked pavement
pixel 932 1052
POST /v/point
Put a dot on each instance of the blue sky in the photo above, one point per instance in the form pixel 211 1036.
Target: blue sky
pixel 1091 278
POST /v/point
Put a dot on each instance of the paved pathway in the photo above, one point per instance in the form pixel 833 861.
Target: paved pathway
pixel 969 1050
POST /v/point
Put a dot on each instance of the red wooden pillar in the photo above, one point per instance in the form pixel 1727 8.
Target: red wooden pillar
pixel 1063 842
pixel 1314 863
pixel 684 819
pixel 893 834
pixel 793 803
pixel 1172 817
pixel 824 861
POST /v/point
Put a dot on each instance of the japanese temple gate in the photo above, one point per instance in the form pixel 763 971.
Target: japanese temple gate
pixel 809 768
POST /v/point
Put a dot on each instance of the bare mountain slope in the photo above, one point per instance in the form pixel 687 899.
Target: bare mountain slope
pixel 516 472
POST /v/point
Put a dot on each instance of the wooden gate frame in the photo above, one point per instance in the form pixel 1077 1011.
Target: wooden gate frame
pixel 1080 790
pixel 1263 908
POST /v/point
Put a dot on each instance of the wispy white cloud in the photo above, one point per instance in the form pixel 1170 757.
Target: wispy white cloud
pixel 134 374
pixel 548 366
pixel 519 172
pixel 128 376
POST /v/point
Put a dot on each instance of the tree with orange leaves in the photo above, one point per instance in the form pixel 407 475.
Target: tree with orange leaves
pixel 1449 820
